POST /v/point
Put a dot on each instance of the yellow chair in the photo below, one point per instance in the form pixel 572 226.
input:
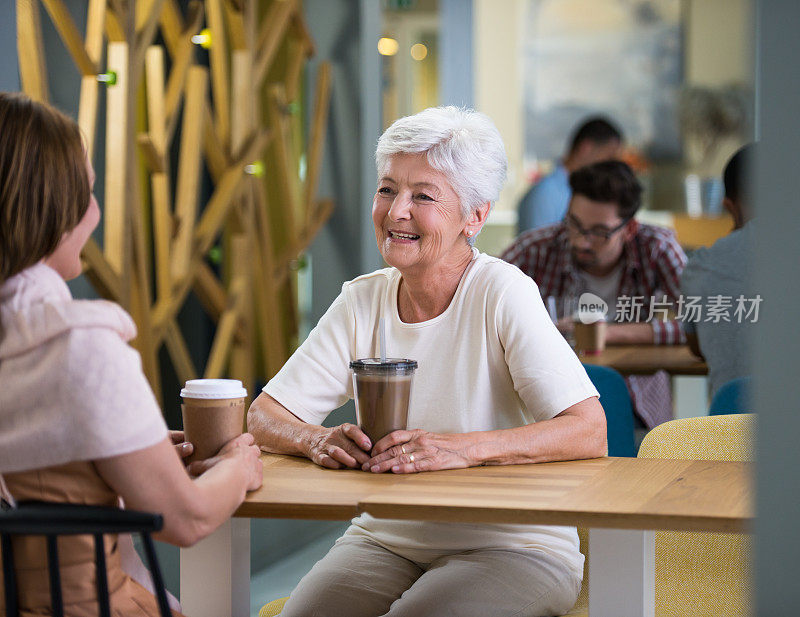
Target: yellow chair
pixel 581 608
pixel 702 573
pixel 273 609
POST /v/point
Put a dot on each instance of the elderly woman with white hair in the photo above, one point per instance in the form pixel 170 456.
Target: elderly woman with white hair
pixel 496 385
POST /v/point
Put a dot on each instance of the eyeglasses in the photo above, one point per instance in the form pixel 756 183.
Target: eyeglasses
pixel 595 234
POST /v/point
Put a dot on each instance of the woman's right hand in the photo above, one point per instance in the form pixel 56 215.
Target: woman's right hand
pixel 242 450
pixel 345 445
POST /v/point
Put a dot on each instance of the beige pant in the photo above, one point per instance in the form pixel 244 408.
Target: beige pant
pixel 360 578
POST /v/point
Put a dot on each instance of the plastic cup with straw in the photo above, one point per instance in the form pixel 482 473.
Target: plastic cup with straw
pixel 382 388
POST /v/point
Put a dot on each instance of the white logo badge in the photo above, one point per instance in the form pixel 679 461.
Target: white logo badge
pixel 591 308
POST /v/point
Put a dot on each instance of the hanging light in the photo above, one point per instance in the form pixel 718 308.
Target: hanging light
pixel 388 46
pixel 419 52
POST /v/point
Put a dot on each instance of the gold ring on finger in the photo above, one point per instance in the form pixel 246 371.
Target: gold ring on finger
pixel 403 449
pixel 411 457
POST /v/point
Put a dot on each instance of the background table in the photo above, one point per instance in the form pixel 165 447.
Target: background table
pixel 647 359
pixel 689 386
pixel 612 496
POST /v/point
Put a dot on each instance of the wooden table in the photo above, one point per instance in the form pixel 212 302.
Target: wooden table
pixel 620 499
pixel 647 359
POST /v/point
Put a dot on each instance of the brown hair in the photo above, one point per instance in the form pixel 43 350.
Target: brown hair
pixel 609 182
pixel 44 186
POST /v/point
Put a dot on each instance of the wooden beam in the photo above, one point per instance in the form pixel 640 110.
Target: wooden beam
pixel 265 289
pixel 316 147
pixel 140 311
pixel 173 28
pixel 273 29
pixel 241 357
pixel 294 69
pixel 87 108
pixel 101 275
pixel 242 97
pixel 214 215
pixel 116 239
pixel 72 39
pixel 236 29
pixel 159 181
pixel 219 205
pixel 188 182
pixel 147 18
pixel 214 152
pixel 140 283
pixel 322 212
pixel 119 7
pixel 285 218
pixel 209 291
pixel 143 11
pixel 182 58
pixel 179 353
pixel 220 348
pixel 212 295
pixel 115 30
pixel 176 83
pixel 301 31
pixel 220 75
pixel 153 159
pixel 30 51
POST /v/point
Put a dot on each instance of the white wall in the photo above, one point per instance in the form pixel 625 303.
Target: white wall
pixel 718 43
pixel 498 89
pixel 718 50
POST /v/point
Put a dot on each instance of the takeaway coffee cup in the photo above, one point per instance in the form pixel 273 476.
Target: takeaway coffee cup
pixel 213 414
pixel 382 391
pixel 590 332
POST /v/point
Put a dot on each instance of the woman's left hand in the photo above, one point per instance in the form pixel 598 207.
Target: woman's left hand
pixel 182 447
pixel 418 450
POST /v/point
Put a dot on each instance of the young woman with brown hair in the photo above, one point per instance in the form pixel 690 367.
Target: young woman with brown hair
pixel 78 420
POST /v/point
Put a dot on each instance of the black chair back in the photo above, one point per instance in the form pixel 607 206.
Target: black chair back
pixel 63 519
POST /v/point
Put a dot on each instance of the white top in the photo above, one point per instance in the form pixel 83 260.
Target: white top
pixel 72 388
pixel 492 360
pixel 605 287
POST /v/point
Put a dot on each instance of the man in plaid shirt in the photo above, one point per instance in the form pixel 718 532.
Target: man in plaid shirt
pixel 600 248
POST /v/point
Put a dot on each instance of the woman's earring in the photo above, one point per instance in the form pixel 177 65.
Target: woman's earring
pixel 469 232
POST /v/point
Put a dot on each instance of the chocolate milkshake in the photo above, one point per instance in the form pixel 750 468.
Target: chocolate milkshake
pixel 382 393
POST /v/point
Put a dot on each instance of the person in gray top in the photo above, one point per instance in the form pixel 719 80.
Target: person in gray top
pixel 720 277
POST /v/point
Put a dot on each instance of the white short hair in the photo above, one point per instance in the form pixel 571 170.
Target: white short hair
pixel 462 143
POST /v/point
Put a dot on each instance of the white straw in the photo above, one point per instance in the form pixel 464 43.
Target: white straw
pixel 551 308
pixel 382 326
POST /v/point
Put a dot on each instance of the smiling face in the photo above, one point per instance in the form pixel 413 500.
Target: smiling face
pixel 66 259
pixel 419 224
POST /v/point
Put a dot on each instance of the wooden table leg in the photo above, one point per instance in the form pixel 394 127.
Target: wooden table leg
pixel 621 573
pixel 215 573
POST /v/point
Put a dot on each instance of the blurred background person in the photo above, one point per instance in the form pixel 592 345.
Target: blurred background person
pixel 600 248
pixel 724 269
pixel 545 203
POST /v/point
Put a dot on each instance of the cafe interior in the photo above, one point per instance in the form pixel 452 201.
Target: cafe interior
pixel 233 143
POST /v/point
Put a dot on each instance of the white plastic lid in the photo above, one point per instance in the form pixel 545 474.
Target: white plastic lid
pixel 213 388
